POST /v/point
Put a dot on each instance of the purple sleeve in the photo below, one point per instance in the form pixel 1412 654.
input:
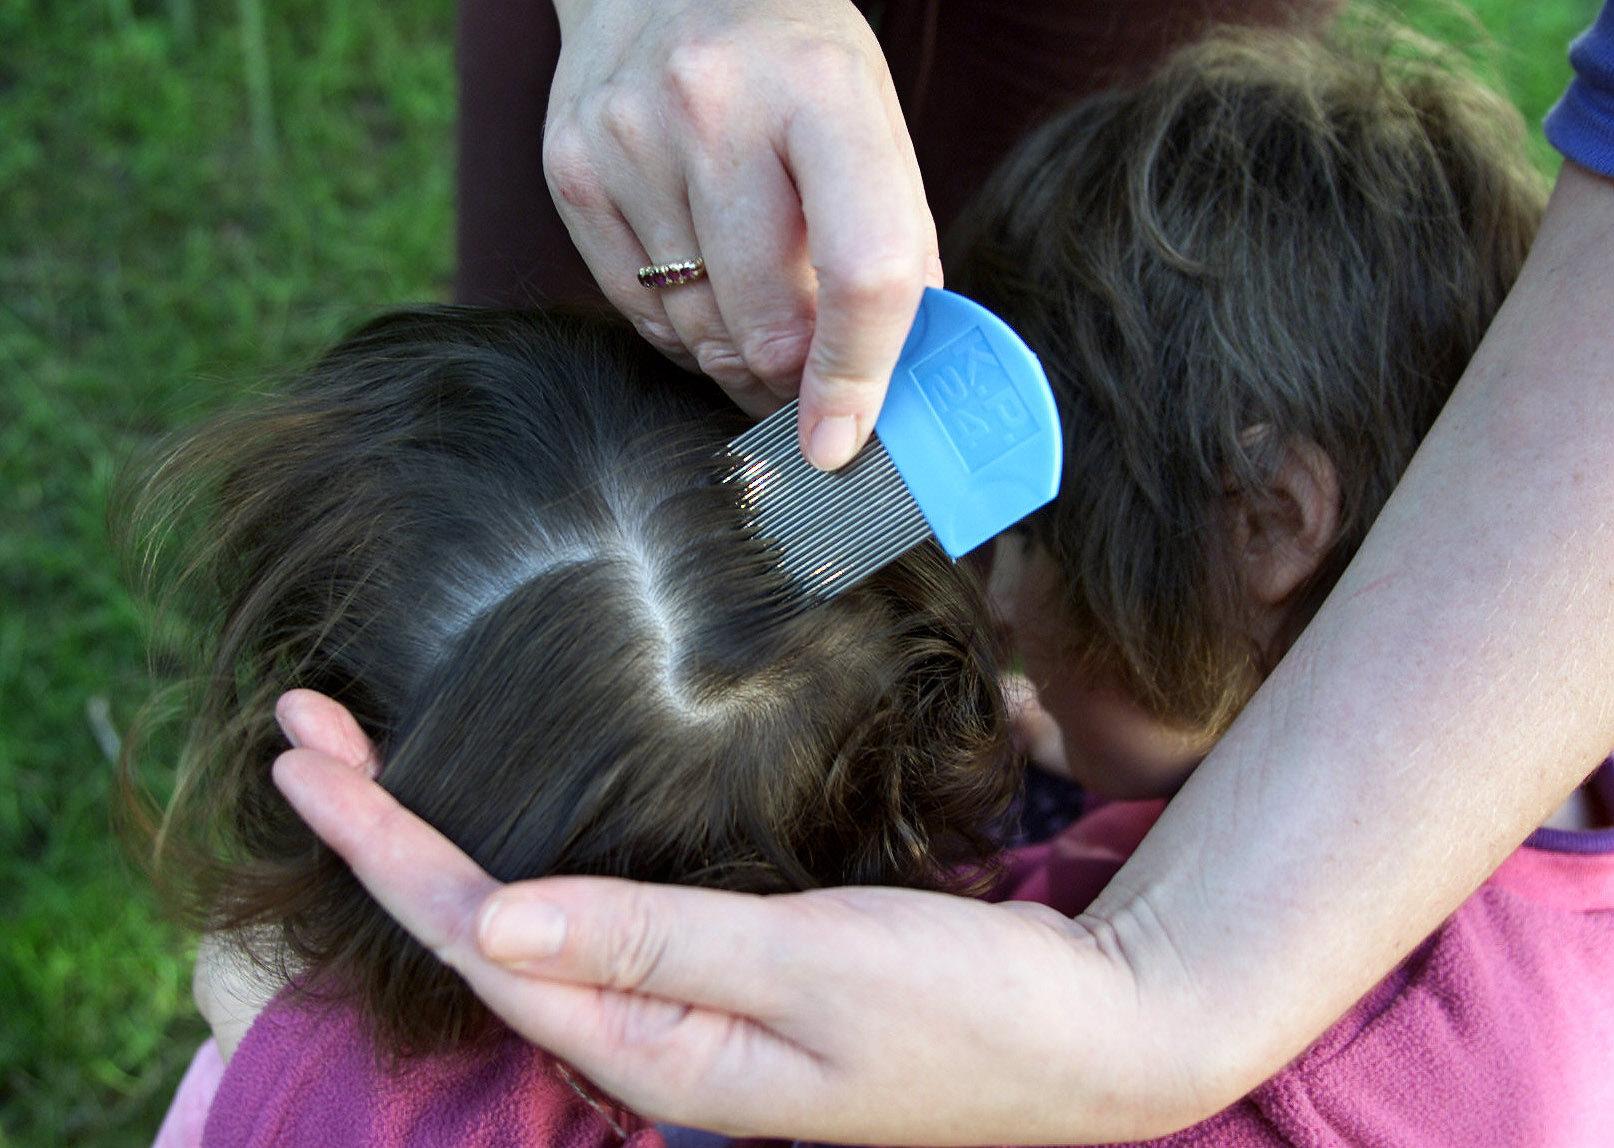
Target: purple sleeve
pixel 1582 124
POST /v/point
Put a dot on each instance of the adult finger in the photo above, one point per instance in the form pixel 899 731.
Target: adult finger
pixel 718 950
pixel 871 243
pixel 747 217
pixel 692 945
pixel 417 874
pixel 605 239
pixel 436 892
pixel 662 224
pixel 663 1057
pixel 311 720
pixel 647 188
pixel 645 185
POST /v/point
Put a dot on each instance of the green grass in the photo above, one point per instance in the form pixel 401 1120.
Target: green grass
pixel 192 195
pixel 182 210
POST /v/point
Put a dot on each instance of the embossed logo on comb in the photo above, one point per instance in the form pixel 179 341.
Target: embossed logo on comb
pixel 973 399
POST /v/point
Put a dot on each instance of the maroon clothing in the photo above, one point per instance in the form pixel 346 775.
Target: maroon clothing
pixel 972 76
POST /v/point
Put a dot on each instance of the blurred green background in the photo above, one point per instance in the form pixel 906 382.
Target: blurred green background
pixel 193 194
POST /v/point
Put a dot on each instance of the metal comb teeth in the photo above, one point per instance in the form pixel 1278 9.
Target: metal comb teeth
pixel 828 530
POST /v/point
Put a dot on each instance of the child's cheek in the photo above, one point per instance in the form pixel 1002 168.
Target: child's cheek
pixel 1112 746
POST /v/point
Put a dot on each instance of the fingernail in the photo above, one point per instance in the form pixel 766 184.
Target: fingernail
pixel 520 929
pixel 286 718
pixel 287 773
pixel 832 442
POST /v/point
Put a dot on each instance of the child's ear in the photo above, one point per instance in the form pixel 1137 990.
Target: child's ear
pixel 1282 534
pixel 1003 578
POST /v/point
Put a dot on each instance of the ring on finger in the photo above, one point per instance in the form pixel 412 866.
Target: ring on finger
pixel 658 275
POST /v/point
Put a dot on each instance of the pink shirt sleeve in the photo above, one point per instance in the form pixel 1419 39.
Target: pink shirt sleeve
pixel 307 1073
pixel 1498 1030
pixel 182 1127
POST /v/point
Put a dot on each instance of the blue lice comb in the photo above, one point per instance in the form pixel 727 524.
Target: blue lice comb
pixel 967 444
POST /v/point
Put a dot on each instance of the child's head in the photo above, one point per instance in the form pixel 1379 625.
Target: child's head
pixel 1254 280
pixel 501 540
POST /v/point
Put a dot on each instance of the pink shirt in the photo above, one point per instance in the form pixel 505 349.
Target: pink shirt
pixel 1498 1030
pixel 306 1074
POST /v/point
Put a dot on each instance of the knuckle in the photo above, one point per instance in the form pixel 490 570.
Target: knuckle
pixel 374 832
pixel 875 283
pixel 840 383
pixel 660 334
pixel 570 169
pixel 627 117
pixel 456 944
pixel 843 393
pixel 830 63
pixel 699 74
pixel 634 947
pixel 721 361
pixel 775 356
pixel 682 1073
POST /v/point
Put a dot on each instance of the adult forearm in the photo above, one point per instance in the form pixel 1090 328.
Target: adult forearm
pixel 1447 697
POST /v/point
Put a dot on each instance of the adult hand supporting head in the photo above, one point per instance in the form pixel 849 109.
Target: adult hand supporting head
pixel 875 1015
pixel 766 137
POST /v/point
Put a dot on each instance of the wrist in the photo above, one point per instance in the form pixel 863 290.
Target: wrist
pixel 1179 1057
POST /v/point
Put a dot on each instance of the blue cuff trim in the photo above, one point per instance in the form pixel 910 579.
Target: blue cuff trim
pixel 1581 126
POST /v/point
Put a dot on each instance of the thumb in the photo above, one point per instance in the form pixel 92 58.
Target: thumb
pixel 731 952
pixel 861 326
pixel 859 332
pixel 854 349
pixel 872 243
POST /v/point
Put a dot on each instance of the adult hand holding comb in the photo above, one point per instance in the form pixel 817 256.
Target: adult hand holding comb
pixel 754 152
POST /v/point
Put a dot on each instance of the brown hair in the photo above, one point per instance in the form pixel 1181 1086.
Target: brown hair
pixel 501 540
pixel 1275 238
